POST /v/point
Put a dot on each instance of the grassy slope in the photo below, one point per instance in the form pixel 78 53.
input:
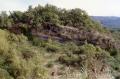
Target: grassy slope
pixel 22 59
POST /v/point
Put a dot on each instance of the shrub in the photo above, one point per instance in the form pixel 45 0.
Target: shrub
pixel 39 42
pixel 4 44
pixel 4 74
pixel 52 47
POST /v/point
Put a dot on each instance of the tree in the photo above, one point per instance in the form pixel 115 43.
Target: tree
pixel 50 17
pixel 30 8
pixel 5 21
pixel 28 18
pixel 17 16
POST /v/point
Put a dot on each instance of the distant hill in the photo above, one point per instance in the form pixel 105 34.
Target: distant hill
pixel 108 21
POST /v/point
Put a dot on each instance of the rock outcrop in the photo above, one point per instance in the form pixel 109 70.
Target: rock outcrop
pixel 80 36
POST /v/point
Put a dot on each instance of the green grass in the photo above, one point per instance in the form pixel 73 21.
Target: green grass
pixel 19 59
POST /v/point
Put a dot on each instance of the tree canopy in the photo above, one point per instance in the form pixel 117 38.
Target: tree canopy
pixel 50 14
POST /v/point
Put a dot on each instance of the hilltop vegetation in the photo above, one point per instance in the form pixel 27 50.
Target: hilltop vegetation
pixel 35 17
pixel 46 42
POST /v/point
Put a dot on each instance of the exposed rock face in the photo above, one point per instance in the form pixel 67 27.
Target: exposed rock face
pixel 80 36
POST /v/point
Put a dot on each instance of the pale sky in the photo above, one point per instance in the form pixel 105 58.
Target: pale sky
pixel 92 7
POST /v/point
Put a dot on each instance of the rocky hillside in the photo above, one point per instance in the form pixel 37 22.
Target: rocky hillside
pixel 49 42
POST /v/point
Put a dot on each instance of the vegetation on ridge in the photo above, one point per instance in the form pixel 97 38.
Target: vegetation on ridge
pixel 35 17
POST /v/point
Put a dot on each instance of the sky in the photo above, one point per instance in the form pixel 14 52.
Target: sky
pixel 92 7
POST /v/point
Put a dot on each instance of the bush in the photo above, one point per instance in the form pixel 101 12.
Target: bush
pixel 90 50
pixel 4 74
pixel 52 48
pixel 39 42
pixel 79 55
pixel 4 44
